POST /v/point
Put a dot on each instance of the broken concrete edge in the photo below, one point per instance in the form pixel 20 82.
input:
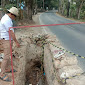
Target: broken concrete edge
pixel 58 69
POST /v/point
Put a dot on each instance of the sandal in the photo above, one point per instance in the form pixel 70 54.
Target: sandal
pixel 11 71
pixel 7 79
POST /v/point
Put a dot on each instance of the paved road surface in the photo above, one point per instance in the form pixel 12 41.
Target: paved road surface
pixel 72 37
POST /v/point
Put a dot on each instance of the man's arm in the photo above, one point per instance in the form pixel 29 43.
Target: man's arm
pixel 14 38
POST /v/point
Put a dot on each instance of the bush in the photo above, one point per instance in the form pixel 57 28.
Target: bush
pixel 8 6
pixel 82 15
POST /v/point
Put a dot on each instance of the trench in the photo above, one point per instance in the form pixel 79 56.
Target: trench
pixel 35 74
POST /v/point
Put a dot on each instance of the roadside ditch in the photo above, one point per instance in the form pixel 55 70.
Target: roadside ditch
pixel 39 62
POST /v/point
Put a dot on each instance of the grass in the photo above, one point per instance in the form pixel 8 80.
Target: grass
pixel 79 20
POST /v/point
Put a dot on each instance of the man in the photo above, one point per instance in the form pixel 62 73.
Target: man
pixel 6 22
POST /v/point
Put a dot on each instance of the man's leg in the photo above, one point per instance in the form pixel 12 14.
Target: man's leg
pixel 5 60
pixel 6 48
pixel 1 47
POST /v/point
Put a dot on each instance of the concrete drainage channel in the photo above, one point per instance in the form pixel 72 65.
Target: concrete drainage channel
pixel 60 70
pixel 38 63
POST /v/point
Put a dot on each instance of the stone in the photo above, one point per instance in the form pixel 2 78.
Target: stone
pixel 66 61
pixel 69 71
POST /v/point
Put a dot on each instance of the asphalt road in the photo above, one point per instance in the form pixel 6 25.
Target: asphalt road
pixel 72 37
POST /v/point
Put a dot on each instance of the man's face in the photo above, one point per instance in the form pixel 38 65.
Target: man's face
pixel 13 16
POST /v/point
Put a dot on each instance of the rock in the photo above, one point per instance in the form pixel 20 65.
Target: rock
pixel 57 64
pixel 67 61
pixel 69 71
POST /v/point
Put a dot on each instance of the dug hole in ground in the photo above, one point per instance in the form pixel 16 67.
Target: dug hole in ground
pixel 39 62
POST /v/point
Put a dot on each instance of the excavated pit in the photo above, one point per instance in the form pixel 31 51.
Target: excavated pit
pixel 34 75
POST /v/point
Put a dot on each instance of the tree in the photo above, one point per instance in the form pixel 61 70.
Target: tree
pixel 68 8
pixel 29 7
pixel 0 2
pixel 7 1
pixel 3 3
pixel 79 4
pixel 74 8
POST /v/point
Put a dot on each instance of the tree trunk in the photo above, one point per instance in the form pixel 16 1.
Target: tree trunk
pixel 79 10
pixel 63 7
pixel 29 7
pixel 60 6
pixel 30 3
pixel 17 3
pixel 68 7
pixel 2 3
pixel 7 1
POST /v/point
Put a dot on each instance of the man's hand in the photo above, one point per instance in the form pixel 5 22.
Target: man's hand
pixel 14 38
pixel 17 44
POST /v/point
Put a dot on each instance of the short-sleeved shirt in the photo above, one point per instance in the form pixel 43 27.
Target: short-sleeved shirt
pixel 5 23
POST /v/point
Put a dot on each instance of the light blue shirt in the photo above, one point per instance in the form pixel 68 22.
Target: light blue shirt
pixel 5 23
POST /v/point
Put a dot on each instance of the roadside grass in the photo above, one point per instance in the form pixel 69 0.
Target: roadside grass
pixel 79 20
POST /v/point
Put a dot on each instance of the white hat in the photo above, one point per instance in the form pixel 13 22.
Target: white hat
pixel 14 11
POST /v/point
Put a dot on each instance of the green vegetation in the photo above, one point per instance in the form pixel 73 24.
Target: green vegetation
pixel 73 8
pixel 70 8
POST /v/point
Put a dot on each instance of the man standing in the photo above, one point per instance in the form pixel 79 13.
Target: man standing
pixel 6 22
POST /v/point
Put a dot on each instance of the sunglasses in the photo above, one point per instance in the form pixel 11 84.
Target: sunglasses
pixel 14 15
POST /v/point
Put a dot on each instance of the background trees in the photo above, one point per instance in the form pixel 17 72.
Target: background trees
pixel 69 8
pixel 72 8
